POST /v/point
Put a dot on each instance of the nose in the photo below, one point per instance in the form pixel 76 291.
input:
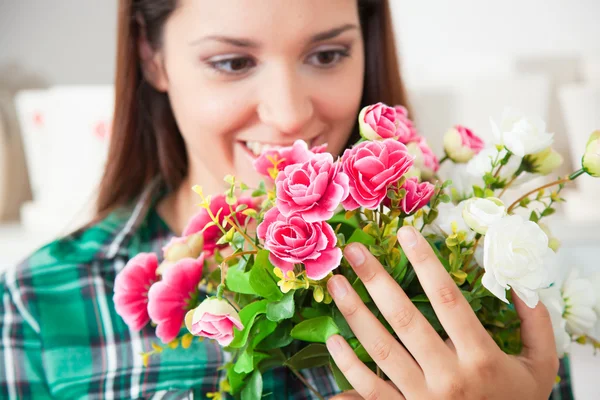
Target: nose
pixel 285 103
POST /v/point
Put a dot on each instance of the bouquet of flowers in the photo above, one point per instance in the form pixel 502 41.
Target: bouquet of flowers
pixel 251 268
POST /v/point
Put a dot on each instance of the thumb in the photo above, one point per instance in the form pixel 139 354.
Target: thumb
pixel 537 334
pixel 349 395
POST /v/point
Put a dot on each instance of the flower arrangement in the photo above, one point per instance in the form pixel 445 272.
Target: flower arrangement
pixel 262 256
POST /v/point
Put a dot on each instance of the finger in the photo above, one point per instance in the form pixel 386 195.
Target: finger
pixel 353 394
pixel 537 334
pixel 387 353
pixel 413 329
pixel 450 306
pixel 363 380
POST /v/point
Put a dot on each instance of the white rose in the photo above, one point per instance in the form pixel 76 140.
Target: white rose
pixel 580 299
pixel 482 163
pixel 516 255
pixel 480 213
pixel 552 299
pixel 522 134
pixel 449 219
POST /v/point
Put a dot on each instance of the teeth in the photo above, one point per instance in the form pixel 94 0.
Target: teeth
pixel 258 148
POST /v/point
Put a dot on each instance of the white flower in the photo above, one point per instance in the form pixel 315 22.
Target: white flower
pixel 580 299
pixel 482 163
pixel 552 299
pixel 596 284
pixel 522 134
pixel 480 213
pixel 449 220
pixel 516 255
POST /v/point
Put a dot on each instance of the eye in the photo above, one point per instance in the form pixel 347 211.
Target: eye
pixel 328 58
pixel 232 65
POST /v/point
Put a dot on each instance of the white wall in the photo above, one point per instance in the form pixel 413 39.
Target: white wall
pixel 62 41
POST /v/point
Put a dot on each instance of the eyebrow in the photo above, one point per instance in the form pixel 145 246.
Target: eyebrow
pixel 242 42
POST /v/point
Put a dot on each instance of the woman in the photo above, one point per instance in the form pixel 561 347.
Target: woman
pixel 201 88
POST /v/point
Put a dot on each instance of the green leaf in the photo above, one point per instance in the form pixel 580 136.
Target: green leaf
pixel 239 281
pixel 534 217
pixel 548 211
pixel 312 356
pixel 236 380
pixel 342 324
pixel 315 330
pixel 442 259
pixel 248 315
pixel 427 310
pixel 445 198
pixel 361 237
pixel 340 379
pixel 446 184
pixel 279 338
pixel 262 280
pixel 361 290
pixel 282 309
pixel 360 351
pixel 420 298
pixel 245 362
pixel 341 218
pixel 477 191
pixel 399 271
pixel 253 389
pixel 261 191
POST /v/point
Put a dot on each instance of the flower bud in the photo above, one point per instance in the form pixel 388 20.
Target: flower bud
pixel 461 144
pixel 591 159
pixel 214 318
pixel 184 247
pixel 544 162
pixel 479 214
pixel 377 122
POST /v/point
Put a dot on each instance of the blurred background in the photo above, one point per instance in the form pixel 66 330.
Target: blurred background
pixel 463 62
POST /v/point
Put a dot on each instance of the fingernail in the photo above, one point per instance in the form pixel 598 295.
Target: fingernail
pixel 337 287
pixel 407 236
pixel 333 345
pixel 354 254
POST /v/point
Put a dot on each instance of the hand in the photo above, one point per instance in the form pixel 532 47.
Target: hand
pixel 469 365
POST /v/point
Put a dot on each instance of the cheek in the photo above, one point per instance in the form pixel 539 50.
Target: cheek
pixel 338 102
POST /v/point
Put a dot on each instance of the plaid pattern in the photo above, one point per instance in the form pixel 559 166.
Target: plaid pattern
pixel 61 337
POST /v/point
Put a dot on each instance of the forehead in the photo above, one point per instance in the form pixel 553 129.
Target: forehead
pixel 275 21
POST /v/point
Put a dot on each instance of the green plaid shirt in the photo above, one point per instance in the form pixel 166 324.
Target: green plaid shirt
pixel 61 337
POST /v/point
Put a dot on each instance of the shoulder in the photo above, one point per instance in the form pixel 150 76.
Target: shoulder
pixel 59 268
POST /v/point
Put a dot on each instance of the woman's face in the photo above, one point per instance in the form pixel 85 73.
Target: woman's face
pixel 242 75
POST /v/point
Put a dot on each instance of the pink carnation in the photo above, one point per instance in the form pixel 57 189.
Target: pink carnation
pixel 131 289
pixel 406 131
pixel 372 167
pixel 292 240
pixel 313 189
pixel 212 234
pixel 284 156
pixel 425 159
pixel 169 299
pixel 417 195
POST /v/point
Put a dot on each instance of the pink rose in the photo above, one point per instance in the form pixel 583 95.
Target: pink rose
pixel 168 299
pixel 461 144
pixel 131 289
pixel 406 131
pixel 313 189
pixel 214 318
pixel 417 195
pixel 270 162
pixel 377 121
pixel 372 167
pixel 425 159
pixel 212 234
pixel 292 240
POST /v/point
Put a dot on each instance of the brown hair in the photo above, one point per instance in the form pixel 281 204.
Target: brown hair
pixel 146 142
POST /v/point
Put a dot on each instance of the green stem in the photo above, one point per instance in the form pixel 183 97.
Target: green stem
pixel 558 182
pixel 305 382
pixel 444 159
pixel 576 174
